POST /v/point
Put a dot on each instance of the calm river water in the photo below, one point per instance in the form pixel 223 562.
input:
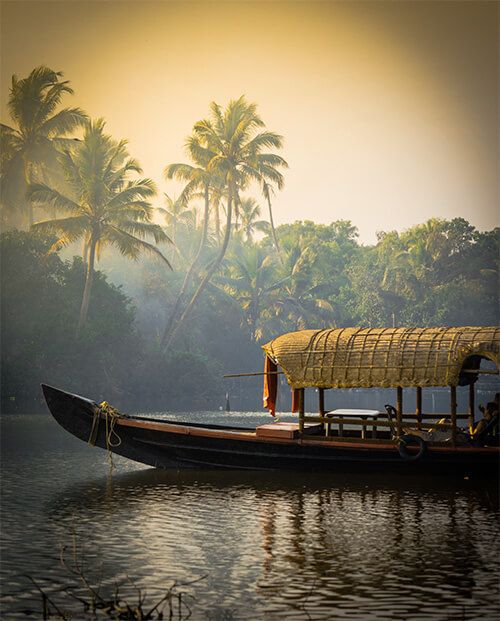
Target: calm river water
pixel 262 545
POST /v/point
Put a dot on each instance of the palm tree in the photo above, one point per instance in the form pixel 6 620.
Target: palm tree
pixel 416 260
pixel 251 280
pixel 304 301
pixel 249 212
pixel 105 206
pixel 268 191
pixel 29 150
pixel 196 178
pixel 218 194
pixel 176 213
pixel 230 147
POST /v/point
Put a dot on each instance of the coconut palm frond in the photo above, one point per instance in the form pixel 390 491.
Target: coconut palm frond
pixel 181 172
pixel 324 305
pixel 264 140
pixel 41 194
pixel 189 190
pixel 7 136
pixel 219 165
pixel 70 229
pixel 217 114
pixel 115 158
pixel 200 153
pixel 61 243
pixel 145 229
pixel 204 130
pixel 250 172
pixel 115 179
pixel 13 184
pixel 137 211
pixel 41 89
pixel 63 122
pixel 271 159
pixel 270 173
pixel 50 100
pixel 131 246
pixel 142 188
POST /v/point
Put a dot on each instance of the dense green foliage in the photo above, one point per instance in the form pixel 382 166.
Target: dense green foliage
pixel 153 339
pixel 438 273
pixel 327 280
pixel 40 300
pixel 109 360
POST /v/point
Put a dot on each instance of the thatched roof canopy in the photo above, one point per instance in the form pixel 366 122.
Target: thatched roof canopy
pixel 389 357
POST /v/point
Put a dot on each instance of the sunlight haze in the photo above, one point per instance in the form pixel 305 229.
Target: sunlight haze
pixel 389 110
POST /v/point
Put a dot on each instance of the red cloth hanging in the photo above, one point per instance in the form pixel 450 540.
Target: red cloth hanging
pixel 270 385
pixel 295 400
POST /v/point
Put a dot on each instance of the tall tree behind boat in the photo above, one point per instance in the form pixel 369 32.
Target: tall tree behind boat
pixel 28 151
pixel 229 146
pixel 105 208
pixel 249 223
pixel 176 213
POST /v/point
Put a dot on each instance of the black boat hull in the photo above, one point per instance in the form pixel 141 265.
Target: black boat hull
pixel 170 444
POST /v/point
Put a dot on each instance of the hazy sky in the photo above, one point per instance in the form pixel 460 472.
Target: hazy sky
pixel 389 109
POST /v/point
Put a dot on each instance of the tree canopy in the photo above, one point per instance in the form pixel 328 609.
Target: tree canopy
pixel 105 206
pixel 28 151
pixel 155 338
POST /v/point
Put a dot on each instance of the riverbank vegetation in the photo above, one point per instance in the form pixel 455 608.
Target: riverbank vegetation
pixel 146 337
pixel 97 597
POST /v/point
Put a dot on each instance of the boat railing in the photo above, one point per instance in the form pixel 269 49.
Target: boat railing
pixel 394 420
pixel 378 420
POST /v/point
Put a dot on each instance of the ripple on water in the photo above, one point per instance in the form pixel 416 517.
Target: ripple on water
pixel 270 545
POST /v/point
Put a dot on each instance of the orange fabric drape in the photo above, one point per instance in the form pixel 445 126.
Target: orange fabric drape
pixel 295 400
pixel 270 385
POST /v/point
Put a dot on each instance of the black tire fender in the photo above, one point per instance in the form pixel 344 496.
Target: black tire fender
pixel 411 439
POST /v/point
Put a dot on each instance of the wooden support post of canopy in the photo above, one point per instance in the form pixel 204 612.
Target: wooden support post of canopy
pixel 418 410
pixel 453 411
pixel 301 410
pixel 321 401
pixel 471 407
pixel 322 405
pixel 399 412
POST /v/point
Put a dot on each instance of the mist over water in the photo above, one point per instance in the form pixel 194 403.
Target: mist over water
pixel 271 545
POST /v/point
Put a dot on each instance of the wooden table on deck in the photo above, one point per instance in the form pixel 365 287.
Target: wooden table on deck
pixel 363 414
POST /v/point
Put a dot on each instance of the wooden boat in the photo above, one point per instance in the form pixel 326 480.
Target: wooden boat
pixel 385 438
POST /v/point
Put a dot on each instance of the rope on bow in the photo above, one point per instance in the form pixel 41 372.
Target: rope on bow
pixel 110 415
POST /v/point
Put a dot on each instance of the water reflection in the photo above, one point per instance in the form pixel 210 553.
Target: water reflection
pixel 306 545
pixel 273 545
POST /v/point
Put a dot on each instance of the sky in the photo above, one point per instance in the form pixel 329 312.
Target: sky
pixel 389 110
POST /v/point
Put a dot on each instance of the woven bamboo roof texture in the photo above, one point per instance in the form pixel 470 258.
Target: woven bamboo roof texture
pixel 380 357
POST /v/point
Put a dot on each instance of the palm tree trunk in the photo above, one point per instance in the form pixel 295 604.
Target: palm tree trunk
pixel 271 222
pixel 214 265
pixel 85 251
pixel 217 219
pixel 253 315
pixel 173 313
pixel 88 287
pixel 173 246
pixel 31 219
pixel 28 175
